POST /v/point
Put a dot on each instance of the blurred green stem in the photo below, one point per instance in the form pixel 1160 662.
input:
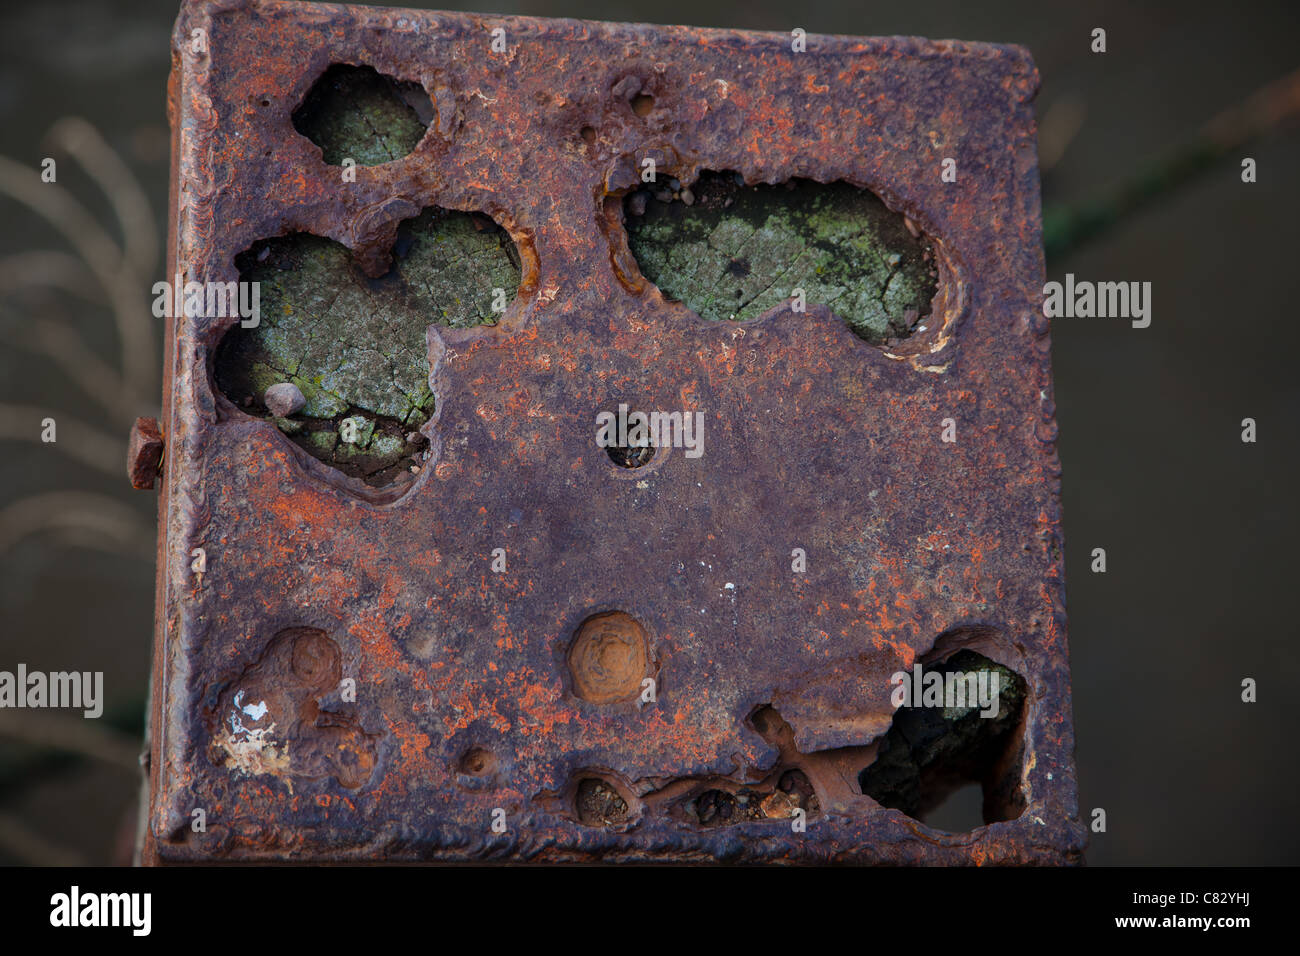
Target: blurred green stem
pixel 1066 227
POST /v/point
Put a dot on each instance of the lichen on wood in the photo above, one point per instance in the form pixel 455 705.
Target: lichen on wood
pixel 730 251
pixel 356 346
pixel 356 113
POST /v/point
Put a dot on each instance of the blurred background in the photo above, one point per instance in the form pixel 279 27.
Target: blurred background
pixel 1140 152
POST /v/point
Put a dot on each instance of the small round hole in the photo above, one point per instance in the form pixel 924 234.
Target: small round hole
pixel 599 804
pixel 477 762
pixel 588 135
pixel 633 457
pixel 642 104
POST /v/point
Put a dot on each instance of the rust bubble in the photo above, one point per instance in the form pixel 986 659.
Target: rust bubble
pixel 315 660
pixel 608 658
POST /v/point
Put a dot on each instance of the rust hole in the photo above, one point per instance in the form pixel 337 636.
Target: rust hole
pixel 598 803
pixel 933 752
pixel 351 351
pixel 961 812
pixel 731 251
pixel 769 724
pixel 637 448
pixel 642 104
pixel 715 807
pixel 791 791
pixel 357 113
pixel 588 134
pixel 477 762
pixel 630 457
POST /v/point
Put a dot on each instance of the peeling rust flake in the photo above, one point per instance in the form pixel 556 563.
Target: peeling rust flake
pixel 626 447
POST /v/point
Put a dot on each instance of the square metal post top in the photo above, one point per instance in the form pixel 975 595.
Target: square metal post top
pixel 348 677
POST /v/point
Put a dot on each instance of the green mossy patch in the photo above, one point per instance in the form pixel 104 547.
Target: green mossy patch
pixel 730 251
pixel 356 347
pixel 353 112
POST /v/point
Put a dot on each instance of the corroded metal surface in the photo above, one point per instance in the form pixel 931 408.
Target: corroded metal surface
pixel 770 683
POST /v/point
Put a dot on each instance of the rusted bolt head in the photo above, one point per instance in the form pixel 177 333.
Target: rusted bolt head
pixel 315 659
pixel 608 658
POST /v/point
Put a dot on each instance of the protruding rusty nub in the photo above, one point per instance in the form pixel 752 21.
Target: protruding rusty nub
pixel 608 658
pixel 144 453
